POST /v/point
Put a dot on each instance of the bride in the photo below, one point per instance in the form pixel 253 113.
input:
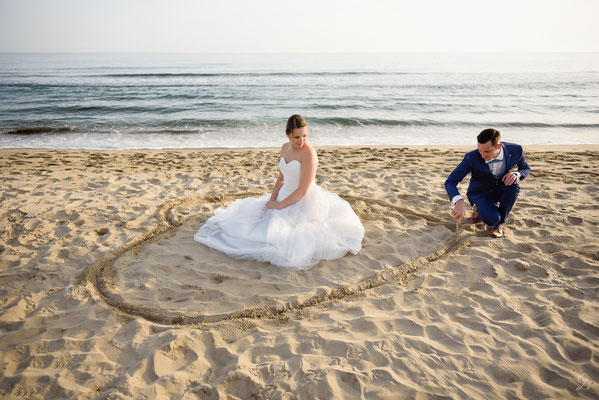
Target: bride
pixel 296 226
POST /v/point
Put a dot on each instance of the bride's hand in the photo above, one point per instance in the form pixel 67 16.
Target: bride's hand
pixel 272 204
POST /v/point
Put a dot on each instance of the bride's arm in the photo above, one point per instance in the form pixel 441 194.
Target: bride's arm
pixel 307 174
pixel 278 184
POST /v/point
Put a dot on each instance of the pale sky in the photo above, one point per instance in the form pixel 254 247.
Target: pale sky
pixel 256 26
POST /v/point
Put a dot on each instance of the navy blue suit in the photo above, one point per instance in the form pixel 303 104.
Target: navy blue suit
pixel 484 190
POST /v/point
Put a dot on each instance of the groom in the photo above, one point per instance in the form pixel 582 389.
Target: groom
pixel 494 187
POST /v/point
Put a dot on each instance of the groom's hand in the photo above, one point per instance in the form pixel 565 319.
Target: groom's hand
pixel 510 178
pixel 459 210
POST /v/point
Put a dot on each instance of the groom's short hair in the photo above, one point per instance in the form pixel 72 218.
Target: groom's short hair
pixel 489 134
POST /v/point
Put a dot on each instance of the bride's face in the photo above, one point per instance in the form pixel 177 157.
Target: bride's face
pixel 298 137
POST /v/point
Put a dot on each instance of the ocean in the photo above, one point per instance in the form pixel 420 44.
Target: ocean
pixel 136 101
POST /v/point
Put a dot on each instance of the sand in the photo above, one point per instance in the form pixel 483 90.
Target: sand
pixel 104 293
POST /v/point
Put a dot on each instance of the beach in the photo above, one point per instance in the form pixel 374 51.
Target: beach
pixel 104 293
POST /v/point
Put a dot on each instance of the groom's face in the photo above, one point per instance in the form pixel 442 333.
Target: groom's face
pixel 487 151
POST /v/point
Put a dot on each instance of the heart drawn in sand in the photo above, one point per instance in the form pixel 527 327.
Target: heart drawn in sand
pixel 166 277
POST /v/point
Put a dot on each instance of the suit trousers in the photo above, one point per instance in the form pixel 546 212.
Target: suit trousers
pixel 486 203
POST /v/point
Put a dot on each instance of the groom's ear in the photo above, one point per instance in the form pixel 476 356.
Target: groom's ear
pixel 499 145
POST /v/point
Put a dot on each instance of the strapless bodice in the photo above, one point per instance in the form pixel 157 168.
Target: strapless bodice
pixel 291 172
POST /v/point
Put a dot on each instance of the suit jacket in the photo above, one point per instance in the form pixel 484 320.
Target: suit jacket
pixel 482 181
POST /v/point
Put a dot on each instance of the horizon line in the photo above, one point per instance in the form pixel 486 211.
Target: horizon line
pixel 320 52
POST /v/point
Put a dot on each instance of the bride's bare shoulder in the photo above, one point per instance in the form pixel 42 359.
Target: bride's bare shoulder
pixel 309 153
pixel 284 148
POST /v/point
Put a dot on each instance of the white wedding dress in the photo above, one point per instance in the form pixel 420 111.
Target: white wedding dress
pixel 321 226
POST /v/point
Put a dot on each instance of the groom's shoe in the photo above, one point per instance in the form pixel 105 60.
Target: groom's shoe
pixel 474 218
pixel 497 231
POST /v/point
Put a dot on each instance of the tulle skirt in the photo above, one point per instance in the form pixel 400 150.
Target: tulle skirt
pixel 321 226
